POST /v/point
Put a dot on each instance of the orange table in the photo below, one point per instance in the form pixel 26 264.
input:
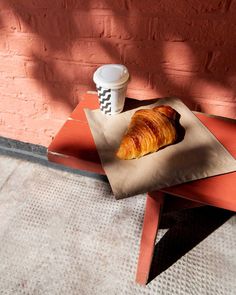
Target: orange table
pixel 73 146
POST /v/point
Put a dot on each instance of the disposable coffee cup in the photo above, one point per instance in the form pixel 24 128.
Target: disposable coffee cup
pixel 111 82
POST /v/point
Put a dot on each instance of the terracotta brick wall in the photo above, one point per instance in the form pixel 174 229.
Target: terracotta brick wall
pixel 50 49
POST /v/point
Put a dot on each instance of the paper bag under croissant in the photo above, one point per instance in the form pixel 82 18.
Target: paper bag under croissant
pixel 198 155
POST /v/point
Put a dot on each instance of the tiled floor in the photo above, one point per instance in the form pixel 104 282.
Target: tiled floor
pixel 64 233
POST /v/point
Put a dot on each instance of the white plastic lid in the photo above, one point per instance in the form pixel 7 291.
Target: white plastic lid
pixel 111 76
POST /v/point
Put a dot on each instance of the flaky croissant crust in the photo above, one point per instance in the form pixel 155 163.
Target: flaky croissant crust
pixel 148 131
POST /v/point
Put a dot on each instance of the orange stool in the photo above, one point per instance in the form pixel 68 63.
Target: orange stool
pixel 73 146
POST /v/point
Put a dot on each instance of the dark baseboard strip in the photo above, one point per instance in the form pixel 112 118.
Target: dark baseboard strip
pixel 20 146
pixel 38 154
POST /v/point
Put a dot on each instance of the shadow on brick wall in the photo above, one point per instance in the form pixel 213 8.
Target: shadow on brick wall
pixel 186 50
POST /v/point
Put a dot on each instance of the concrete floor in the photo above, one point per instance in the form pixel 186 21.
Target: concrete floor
pixel 64 233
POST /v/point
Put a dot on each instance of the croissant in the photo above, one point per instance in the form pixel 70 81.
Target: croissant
pixel 148 131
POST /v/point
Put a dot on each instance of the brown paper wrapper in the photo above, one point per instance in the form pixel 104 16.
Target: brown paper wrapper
pixel 198 155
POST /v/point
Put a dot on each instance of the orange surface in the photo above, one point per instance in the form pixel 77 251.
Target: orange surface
pixel 89 101
pixel 74 146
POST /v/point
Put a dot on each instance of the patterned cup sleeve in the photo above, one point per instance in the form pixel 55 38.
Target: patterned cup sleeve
pixel 104 96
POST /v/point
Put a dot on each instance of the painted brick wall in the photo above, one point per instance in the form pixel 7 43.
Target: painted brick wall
pixel 50 49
